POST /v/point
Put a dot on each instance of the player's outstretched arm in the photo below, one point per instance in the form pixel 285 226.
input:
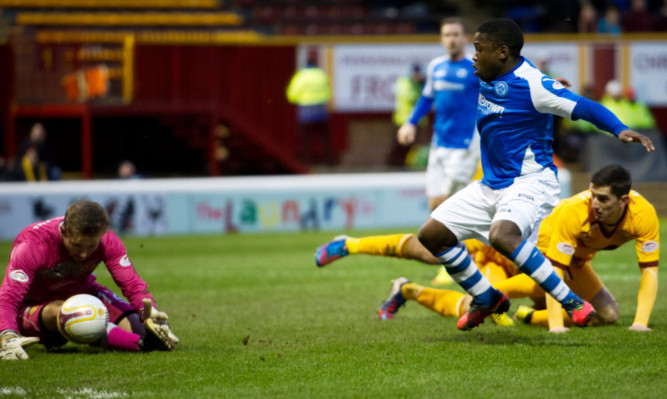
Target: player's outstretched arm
pixel 605 120
pixel 12 344
pixel 630 136
pixel 648 290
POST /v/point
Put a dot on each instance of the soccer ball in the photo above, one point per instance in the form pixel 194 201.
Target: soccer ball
pixel 83 319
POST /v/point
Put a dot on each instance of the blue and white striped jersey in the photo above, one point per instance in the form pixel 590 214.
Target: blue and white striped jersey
pixel 515 122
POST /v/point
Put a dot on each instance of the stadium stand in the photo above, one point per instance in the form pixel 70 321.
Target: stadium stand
pixel 96 59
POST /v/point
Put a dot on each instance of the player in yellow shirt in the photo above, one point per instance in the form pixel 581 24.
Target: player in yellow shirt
pixel 493 266
pixel 604 217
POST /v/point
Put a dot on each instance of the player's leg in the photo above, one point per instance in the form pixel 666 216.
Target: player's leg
pixel 443 302
pixel 464 215
pixel 449 170
pixel 436 192
pixel 585 282
pixel 125 331
pixel 447 303
pixel 49 315
pixel 519 211
pixel 495 273
pixel 34 322
pixel 405 246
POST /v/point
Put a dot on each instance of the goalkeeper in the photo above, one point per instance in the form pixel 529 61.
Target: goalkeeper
pixel 54 260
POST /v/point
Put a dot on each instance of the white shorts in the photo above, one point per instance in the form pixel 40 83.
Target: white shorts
pixel 451 169
pixel 470 212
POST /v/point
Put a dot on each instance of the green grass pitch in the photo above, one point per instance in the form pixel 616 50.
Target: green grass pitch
pixel 256 318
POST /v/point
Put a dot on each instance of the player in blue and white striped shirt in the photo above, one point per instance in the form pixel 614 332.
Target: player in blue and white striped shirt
pixel 520 186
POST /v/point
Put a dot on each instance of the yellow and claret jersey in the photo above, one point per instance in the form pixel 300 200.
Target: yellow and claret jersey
pixel 572 236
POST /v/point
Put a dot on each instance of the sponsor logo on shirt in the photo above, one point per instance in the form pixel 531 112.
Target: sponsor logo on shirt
pixel 501 89
pixel 19 275
pixel 650 246
pixel 551 84
pixel 445 85
pixel 526 196
pixel 462 73
pixel 488 107
pixel 125 261
pixel 565 248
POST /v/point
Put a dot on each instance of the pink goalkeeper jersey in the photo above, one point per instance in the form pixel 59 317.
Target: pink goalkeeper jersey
pixel 41 270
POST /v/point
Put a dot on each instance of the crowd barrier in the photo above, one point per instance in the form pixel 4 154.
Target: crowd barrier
pixel 222 205
pixel 145 207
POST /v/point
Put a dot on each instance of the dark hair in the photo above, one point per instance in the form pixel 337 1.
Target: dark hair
pixel 616 177
pixel 86 218
pixel 504 32
pixel 453 21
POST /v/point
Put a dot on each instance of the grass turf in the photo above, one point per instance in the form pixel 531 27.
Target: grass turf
pixel 256 318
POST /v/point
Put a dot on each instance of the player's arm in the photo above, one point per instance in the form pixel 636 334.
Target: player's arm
pixel 550 96
pixel 135 289
pixel 555 310
pixel 19 276
pixel 603 119
pixel 647 247
pixel 648 290
pixel 565 226
pixel 408 131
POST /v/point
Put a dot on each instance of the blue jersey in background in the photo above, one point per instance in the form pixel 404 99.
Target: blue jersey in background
pixel 452 89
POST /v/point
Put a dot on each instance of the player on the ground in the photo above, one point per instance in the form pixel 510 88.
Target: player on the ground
pixel 493 266
pixel 54 260
pixel 604 217
pixel 519 187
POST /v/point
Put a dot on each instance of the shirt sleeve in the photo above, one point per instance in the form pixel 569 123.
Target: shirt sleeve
pixel 423 107
pixel 648 238
pixel 598 115
pixel 24 261
pixel 133 287
pixel 549 96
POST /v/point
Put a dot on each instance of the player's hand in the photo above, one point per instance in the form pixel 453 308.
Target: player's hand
pixel 11 345
pixel 406 134
pixel 564 82
pixel 559 330
pixel 639 327
pixel 630 136
pixel 160 319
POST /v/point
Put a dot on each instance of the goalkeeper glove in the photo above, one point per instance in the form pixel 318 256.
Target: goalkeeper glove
pixel 158 334
pixel 11 345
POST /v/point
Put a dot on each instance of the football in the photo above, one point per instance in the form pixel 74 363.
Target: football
pixel 83 319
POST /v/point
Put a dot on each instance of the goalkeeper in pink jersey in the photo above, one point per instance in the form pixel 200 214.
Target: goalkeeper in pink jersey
pixel 54 260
